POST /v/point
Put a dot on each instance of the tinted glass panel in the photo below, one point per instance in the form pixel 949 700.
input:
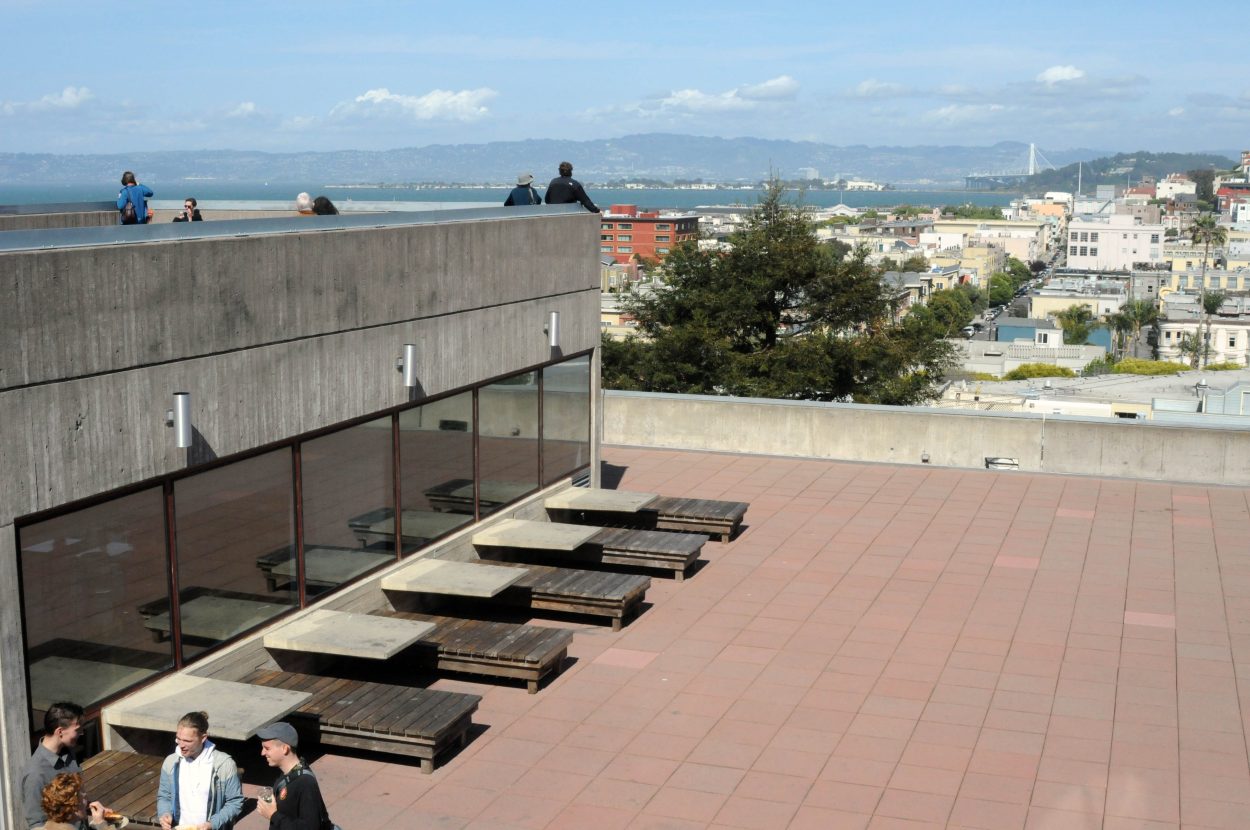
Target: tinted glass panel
pixel 436 468
pixel 84 575
pixel 349 511
pixel 508 424
pixel 566 418
pixel 227 519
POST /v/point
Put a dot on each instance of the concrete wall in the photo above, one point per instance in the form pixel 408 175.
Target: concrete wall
pixel 42 217
pixel 959 438
pixel 273 334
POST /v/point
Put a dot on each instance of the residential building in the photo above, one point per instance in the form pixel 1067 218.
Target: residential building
pixel 1112 242
pixel 1229 334
pixel 629 234
pixel 1176 184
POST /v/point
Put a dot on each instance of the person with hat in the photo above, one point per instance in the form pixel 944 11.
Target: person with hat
pixel 295 803
pixel 524 192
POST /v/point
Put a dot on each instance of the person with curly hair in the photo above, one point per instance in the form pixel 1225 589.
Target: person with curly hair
pixel 66 807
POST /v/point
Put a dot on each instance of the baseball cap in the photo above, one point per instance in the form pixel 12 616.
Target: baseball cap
pixel 280 731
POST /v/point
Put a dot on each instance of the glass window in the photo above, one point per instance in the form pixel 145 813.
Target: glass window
pixel 1093 252
pixel 625 237
pixel 508 440
pixel 605 249
pixel 1084 251
pixel 349 498
pixel 1072 251
pixel 663 227
pixel 84 575
pixel 1093 237
pixel 1084 236
pixel 228 521
pixel 624 249
pixel 662 238
pixel 436 468
pixel 1215 282
pixel 605 237
pixel 661 250
pixel 626 226
pixel 1073 237
pixel 1154 237
pixel 1167 335
pixel 566 418
pixel 1232 341
pixel 607 226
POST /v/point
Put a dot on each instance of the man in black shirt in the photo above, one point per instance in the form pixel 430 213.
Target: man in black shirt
pixel 295 803
pixel 565 190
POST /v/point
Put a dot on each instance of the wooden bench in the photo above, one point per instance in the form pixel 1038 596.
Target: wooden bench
pixel 125 782
pixel 713 517
pixel 584 544
pixel 494 649
pixel 399 720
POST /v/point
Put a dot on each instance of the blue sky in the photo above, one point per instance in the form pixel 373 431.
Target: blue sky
pixel 95 77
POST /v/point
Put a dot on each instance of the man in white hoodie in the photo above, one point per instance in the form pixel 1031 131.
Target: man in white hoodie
pixel 199 784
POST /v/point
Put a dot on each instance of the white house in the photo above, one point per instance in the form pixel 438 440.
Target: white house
pixel 1113 242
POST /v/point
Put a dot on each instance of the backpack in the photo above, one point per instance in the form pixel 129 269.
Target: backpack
pixel 129 215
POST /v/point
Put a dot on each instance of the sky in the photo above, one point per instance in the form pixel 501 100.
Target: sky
pixel 94 77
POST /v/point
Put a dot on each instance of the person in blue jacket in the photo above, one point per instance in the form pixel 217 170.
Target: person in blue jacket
pixel 132 200
pixel 199 784
pixel 524 192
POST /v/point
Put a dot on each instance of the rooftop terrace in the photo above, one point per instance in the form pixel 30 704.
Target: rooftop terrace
pixel 884 646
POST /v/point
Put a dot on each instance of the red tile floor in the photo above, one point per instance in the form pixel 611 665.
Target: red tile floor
pixel 883 647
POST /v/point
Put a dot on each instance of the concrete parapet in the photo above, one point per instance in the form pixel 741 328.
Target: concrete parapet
pixel 906 435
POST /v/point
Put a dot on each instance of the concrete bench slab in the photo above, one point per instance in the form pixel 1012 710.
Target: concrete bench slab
pixel 214 617
pixel 519 533
pixel 592 499
pixel 236 710
pixel 347 634
pixel 464 579
pixel 419 525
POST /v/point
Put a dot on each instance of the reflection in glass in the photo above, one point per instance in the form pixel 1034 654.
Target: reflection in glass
pixel 566 418
pixel 507 414
pixel 348 490
pixel 84 575
pixel 227 519
pixel 436 468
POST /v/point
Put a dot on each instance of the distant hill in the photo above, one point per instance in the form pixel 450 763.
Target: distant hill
pixel 1123 168
pixel 654 155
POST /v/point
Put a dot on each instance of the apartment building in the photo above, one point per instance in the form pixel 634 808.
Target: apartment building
pixel 1115 242
pixel 628 234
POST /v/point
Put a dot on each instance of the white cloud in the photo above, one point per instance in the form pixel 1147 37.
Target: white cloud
pixel 439 104
pixel 872 88
pixel 1059 74
pixel 739 99
pixel 69 98
pixel 247 109
pixel 953 114
pixel 1175 111
pixel 781 88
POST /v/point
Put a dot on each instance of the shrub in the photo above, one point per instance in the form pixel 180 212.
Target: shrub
pixel 1227 366
pixel 982 376
pixel 1038 370
pixel 1135 366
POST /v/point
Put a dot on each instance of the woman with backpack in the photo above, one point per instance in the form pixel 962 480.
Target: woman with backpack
pixel 132 200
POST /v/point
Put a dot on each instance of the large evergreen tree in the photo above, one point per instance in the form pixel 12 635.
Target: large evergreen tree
pixel 779 315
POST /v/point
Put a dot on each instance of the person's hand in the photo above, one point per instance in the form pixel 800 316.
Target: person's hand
pixel 205 826
pixel 167 822
pixel 266 809
pixel 97 813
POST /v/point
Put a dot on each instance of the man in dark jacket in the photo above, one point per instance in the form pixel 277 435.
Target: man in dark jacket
pixel 295 803
pixel 524 192
pixel 565 190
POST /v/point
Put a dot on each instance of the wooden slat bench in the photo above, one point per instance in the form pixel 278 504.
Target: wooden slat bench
pixel 125 782
pixel 713 517
pixel 658 549
pixel 494 649
pixel 401 720
pixel 564 543
pixel 615 596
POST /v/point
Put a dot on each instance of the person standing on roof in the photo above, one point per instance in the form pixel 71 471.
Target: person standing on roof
pixel 524 192
pixel 565 190
pixel 132 201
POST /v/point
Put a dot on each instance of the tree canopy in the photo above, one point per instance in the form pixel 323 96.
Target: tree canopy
pixel 1077 322
pixel 778 315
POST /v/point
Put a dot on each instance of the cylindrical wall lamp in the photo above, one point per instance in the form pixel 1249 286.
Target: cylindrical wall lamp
pixel 408 365
pixel 553 329
pixel 179 418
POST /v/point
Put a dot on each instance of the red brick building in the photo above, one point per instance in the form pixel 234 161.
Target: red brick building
pixel 628 233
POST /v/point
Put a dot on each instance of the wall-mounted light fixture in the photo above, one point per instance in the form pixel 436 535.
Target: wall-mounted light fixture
pixel 553 329
pixel 179 419
pixel 407 364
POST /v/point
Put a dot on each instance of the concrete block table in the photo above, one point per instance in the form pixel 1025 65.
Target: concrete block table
pixel 599 500
pixel 520 533
pixel 348 635
pixel 235 710
pixel 461 579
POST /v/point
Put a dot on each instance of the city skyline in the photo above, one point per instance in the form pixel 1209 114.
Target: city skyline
pixel 322 76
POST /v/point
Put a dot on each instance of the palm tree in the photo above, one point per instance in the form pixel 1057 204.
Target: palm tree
pixel 1143 314
pixel 1211 302
pixel 1121 325
pixel 1191 344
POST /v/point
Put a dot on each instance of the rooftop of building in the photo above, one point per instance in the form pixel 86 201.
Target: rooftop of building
pixel 884 646
pixel 1125 388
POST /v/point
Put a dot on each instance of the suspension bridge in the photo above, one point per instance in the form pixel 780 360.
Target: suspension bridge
pixel 1033 164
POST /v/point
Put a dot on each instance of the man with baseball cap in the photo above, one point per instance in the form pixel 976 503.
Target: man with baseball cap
pixel 296 802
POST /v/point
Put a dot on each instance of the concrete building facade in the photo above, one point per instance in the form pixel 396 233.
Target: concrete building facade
pixel 1117 242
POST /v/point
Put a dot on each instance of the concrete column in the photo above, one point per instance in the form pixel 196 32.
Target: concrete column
pixel 14 711
pixel 596 418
